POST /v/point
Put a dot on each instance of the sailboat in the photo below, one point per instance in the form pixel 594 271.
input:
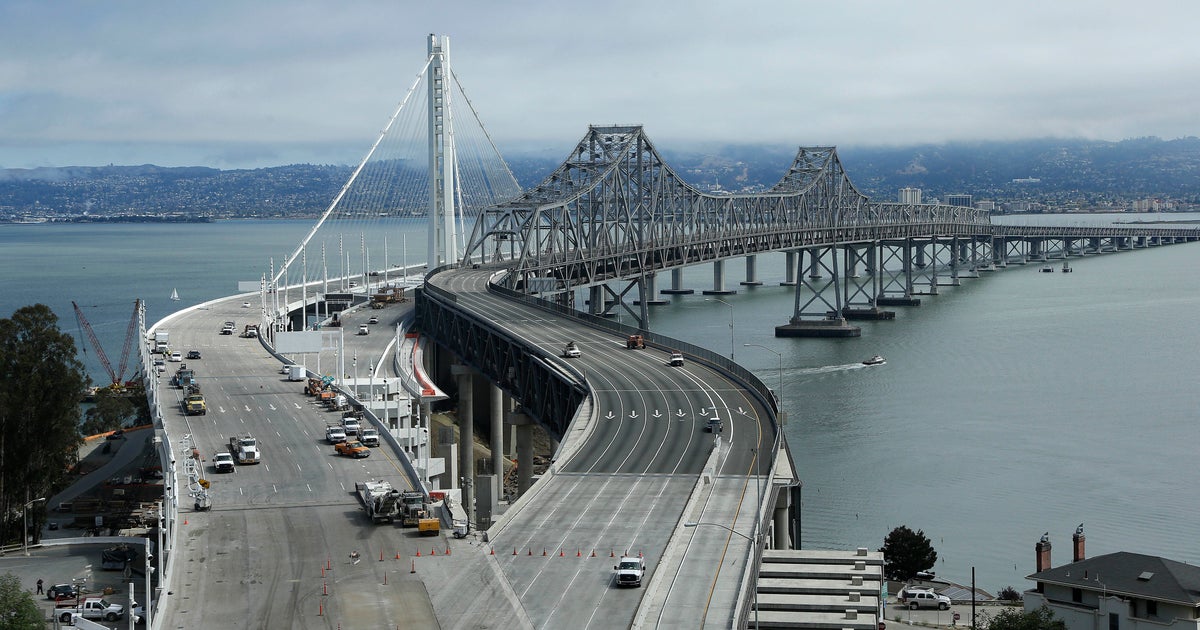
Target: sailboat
pixel 174 295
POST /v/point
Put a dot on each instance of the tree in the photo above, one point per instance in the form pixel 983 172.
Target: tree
pixel 41 384
pixel 21 612
pixel 906 553
pixel 113 411
pixel 1018 619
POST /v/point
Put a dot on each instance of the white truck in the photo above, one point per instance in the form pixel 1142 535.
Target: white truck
pixel 161 341
pixel 245 449
pixel 296 372
pixel 223 462
pixel 92 608
pixel 381 500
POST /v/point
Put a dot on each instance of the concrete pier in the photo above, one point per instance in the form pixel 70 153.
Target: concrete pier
pixel 751 272
pixel 677 284
pixel 789 272
pixel 818 328
pixel 719 281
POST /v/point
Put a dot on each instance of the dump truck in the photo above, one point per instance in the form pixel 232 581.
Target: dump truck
pixel 184 377
pixel 194 405
pixel 381 500
pixel 244 449
pixel 635 342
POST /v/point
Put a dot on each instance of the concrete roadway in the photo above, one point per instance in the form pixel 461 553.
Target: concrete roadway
pixel 624 488
pixel 279 534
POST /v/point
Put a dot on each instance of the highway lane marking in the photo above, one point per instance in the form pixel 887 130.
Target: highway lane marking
pixel 274 488
pixel 309 486
pixel 298 468
pixel 271 406
pixel 289 449
pixel 297 405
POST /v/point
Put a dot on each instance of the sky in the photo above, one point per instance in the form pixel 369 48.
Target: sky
pixel 263 83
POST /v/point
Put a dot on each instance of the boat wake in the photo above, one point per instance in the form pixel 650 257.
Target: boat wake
pixel 826 369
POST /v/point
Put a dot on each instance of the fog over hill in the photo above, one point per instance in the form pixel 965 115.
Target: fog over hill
pixel 1051 174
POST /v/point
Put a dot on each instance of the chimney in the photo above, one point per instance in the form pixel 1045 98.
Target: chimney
pixel 1078 539
pixel 1042 550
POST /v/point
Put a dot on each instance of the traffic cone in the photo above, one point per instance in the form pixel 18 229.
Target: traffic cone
pixel 560 552
pixel 397 555
pixel 322 571
pixel 593 553
pixel 639 554
pixel 385 578
pixel 543 551
pixel 492 551
pixel 611 554
pixel 531 551
pixel 515 551
pixel 414 567
pixel 321 610
pixel 381 556
pixel 578 554
pixel 418 552
pixel 324 587
pixel 185 521
pixel 433 551
pixel 447 549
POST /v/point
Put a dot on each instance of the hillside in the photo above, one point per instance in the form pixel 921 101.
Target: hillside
pixel 1052 173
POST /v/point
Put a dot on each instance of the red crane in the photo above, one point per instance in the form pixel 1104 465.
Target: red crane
pixel 118 375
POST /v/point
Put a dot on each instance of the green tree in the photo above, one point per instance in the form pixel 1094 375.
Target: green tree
pixel 1018 619
pixel 41 383
pixel 111 412
pixel 906 553
pixel 21 612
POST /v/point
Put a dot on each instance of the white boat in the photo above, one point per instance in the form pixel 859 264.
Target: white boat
pixel 875 360
pixel 1047 269
pixel 1066 267
pixel 174 295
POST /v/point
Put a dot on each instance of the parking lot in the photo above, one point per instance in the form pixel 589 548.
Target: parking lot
pixel 72 564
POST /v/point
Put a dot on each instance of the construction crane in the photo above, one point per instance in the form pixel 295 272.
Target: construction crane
pixel 117 375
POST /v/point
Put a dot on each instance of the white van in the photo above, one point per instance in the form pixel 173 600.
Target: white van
pixel 364 330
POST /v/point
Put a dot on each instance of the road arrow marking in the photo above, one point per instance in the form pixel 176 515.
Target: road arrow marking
pixel 704 412
pixel 610 415
pixel 679 412
pixel 657 413
pixel 633 414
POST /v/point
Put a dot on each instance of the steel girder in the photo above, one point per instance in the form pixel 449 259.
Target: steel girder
pixel 551 397
pixel 615 210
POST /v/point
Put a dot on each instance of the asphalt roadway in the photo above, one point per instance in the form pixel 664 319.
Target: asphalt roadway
pixel 274 550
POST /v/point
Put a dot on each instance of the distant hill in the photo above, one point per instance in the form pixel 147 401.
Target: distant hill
pixel 1054 172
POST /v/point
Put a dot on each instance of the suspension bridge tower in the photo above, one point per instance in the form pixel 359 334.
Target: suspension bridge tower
pixel 443 237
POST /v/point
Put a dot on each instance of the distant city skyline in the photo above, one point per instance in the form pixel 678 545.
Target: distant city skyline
pixel 236 85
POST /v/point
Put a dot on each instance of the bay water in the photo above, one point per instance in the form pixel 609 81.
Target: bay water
pixel 1015 404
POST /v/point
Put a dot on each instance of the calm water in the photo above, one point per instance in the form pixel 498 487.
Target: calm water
pixel 1015 404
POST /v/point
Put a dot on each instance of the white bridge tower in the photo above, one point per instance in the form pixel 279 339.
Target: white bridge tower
pixel 443 234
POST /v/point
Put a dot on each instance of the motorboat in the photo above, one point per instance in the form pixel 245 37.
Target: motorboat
pixel 875 360
pixel 1066 267
pixel 1047 269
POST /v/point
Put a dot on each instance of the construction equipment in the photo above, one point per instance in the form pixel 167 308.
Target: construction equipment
pixel 184 377
pixel 429 526
pixel 244 448
pixel 118 375
pixel 635 342
pixel 381 500
pixel 412 508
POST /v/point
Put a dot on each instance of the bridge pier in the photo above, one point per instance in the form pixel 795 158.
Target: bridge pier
pixel 524 428
pixel 818 317
pixel 719 280
pixel 677 284
pixel 751 272
pixel 789 273
pixel 859 298
pixel 497 445
pixel 896 285
pixel 651 292
pixel 466 437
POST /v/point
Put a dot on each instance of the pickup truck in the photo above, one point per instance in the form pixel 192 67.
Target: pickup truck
pixel 223 462
pixel 369 437
pixel 630 571
pixel 194 405
pixel 350 425
pixel 352 448
pixel 335 434
pixel 91 608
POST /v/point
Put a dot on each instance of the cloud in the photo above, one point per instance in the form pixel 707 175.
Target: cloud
pixel 277 80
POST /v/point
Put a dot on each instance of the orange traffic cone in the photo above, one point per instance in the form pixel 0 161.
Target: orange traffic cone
pixel 560 552
pixel 578 554
pixel 414 567
pixel 433 551
pixel 418 553
pixel 593 553
pixel 515 551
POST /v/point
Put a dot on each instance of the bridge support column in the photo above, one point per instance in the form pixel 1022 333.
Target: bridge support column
pixel 523 424
pixel 510 433
pixel 650 287
pixel 781 539
pixel 719 280
pixel 422 455
pixel 596 305
pixel 814 265
pixel 789 271
pixel 497 443
pixel 677 284
pixel 466 437
pixel 819 317
pixel 751 272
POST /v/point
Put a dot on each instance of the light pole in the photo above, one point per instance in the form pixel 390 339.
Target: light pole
pixel 25 518
pixel 731 343
pixel 753 541
pixel 778 354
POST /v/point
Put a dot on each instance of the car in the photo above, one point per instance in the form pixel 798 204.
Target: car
pixel 363 330
pixel 373 320
pixel 571 351
pixel 714 425
pixel 62 591
pixel 228 330
pixel 176 357
pixel 350 425
pixel 630 571
pixel 335 434
pixel 193 354
pixel 223 462
pixel 916 598
pixel 676 359
pixel 245 305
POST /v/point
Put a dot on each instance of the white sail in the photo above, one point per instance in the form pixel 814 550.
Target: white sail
pixel 174 295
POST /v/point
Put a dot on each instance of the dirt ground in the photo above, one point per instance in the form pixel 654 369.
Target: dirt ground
pixel 542 450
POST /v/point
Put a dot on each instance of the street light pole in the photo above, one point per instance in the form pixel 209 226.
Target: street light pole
pixel 754 541
pixel 731 342
pixel 780 355
pixel 25 518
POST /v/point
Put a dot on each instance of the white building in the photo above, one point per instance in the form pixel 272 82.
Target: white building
pixel 1116 591
pixel 910 195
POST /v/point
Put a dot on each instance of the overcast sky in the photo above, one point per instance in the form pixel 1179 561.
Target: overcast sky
pixel 260 83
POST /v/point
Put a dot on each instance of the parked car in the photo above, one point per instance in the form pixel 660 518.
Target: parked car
pixel 62 591
pixel 916 598
pixel 335 434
